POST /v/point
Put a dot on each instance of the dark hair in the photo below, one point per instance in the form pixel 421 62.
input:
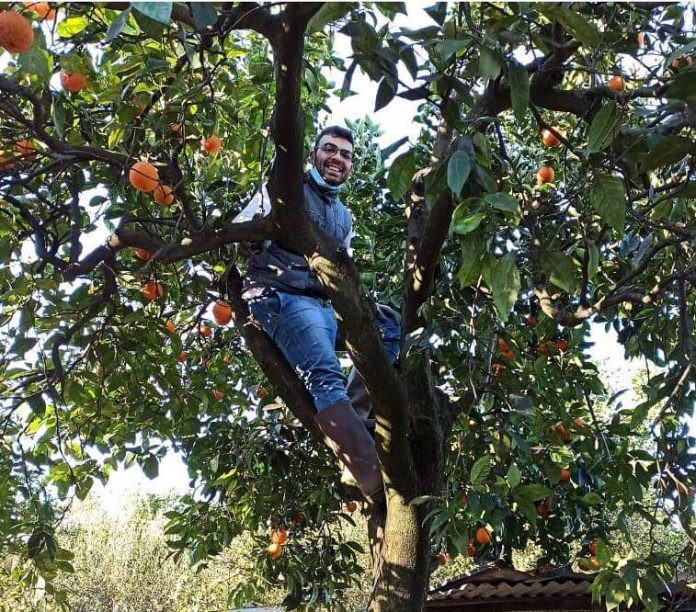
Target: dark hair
pixel 334 130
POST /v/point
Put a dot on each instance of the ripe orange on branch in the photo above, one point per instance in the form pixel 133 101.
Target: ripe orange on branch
pixel 483 536
pixel 222 312
pixel 211 144
pixel 205 331
pixel 545 175
pixel 152 291
pixel 550 139
pixel 170 326
pixel 16 33
pixel 143 254
pixel 218 395
pixel 143 176
pixel 6 164
pixel 72 81
pixel 164 195
pixel 617 84
pixel 274 550
pixel 279 536
pixel 26 149
pixel 442 559
pixel 42 9
pixel 565 475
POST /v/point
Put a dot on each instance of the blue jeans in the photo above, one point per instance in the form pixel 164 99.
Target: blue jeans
pixel 305 330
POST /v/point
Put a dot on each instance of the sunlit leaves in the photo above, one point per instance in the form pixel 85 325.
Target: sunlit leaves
pixel 72 25
pixel 503 278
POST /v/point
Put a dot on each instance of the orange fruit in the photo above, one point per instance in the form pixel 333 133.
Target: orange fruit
pixel 545 175
pixel 177 128
pixel 6 164
pixel 497 369
pixel 464 499
pixel 218 395
pixel 442 559
pixel 503 346
pixel 508 355
pixel 143 254
pixel 542 508
pixel 72 81
pixel 351 506
pixel 222 312
pixel 205 331
pixel 183 357
pixel 279 536
pixel 143 176
pixel 532 321
pixel 579 423
pixel 565 475
pixel 594 562
pixel 164 195
pixel 617 84
pixel 562 345
pixel 141 109
pixel 592 547
pixel 152 291
pixel 297 520
pixel 26 149
pixel 274 550
pixel 261 393
pixel 211 144
pixel 170 326
pixel 550 139
pixel 471 548
pixel 483 536
pixel 16 33
pixel 42 9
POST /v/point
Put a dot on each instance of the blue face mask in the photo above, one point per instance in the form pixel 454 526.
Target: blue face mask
pixel 322 185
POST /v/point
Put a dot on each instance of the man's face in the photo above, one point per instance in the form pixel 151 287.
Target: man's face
pixel 333 159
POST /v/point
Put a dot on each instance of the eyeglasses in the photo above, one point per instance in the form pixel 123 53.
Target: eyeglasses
pixel 332 149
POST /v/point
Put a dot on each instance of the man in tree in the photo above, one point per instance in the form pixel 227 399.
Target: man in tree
pixel 289 302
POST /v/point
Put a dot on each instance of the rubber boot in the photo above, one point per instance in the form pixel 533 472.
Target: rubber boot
pixel 347 437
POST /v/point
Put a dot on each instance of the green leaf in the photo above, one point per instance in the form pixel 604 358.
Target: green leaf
pixel 162 11
pixel 559 270
pixel 502 201
pixel 585 31
pixel 531 492
pixel 151 27
pixel 519 89
pixel 593 259
pixel 37 61
pixel 607 195
pixel 592 499
pixel 466 224
pixel 449 47
pixel 683 88
pixel 488 64
pixel 330 11
pixel 72 25
pixel 204 14
pixel 385 93
pixel 514 476
pixel 150 467
pixel 117 25
pixel 458 170
pixel 603 129
pixel 481 470
pixel 503 278
pixel 401 174
pixel 470 269
pixel 665 151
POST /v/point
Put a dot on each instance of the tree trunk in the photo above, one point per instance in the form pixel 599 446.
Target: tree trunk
pixel 402 569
